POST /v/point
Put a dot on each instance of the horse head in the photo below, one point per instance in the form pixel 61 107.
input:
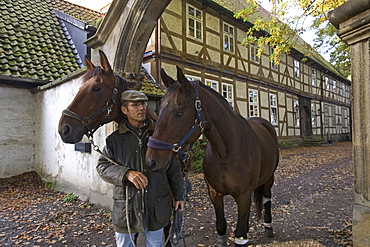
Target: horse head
pixel 177 124
pixel 96 103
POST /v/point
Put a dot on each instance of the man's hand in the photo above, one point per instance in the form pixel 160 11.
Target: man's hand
pixel 137 178
pixel 179 205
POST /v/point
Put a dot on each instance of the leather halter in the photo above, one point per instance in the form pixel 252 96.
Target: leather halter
pixel 107 107
pixel 177 147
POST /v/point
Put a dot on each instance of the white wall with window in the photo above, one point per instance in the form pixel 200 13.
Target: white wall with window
pixel 273 109
pixel 253 103
pixel 194 22
pixel 229 43
pixel 228 93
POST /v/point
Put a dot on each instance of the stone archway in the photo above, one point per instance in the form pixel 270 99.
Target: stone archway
pixel 124 33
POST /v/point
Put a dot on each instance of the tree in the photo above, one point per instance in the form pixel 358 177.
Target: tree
pixel 287 20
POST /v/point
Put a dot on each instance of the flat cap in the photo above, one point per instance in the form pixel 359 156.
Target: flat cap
pixel 133 95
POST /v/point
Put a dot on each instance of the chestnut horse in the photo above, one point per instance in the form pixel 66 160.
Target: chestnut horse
pixel 97 102
pixel 241 157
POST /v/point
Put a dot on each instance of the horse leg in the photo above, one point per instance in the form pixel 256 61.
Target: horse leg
pixel 267 206
pixel 244 202
pixel 221 225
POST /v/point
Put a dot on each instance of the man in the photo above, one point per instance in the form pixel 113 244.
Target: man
pixel 141 194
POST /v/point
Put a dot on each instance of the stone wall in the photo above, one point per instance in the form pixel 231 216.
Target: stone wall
pixel 17 131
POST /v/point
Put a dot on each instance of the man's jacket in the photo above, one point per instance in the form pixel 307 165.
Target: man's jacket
pixel 126 148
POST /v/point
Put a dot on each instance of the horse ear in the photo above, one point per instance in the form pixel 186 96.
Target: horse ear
pixel 184 82
pixel 104 63
pixel 167 80
pixel 88 63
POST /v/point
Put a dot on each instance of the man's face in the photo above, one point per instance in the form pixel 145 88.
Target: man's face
pixel 135 112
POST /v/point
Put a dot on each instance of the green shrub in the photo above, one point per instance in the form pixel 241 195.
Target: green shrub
pixel 197 155
pixel 71 197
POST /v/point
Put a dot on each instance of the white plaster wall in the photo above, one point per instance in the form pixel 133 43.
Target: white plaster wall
pixel 17 131
pixel 57 161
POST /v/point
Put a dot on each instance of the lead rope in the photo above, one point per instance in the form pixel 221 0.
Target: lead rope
pixel 178 224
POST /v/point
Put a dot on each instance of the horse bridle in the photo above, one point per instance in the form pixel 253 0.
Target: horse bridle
pixel 177 147
pixel 107 107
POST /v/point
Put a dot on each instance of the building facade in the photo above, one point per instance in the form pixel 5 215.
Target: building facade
pixel 301 96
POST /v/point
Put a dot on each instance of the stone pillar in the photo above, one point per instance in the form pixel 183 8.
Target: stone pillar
pixel 352 19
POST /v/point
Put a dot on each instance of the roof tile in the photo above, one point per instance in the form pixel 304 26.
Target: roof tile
pixel 31 35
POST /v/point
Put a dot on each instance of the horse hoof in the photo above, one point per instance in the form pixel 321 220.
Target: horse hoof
pixel 222 241
pixel 269 232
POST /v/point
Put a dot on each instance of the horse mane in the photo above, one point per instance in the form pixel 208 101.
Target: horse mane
pixel 93 72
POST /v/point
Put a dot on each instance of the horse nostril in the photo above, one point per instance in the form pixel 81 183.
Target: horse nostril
pixel 152 165
pixel 66 130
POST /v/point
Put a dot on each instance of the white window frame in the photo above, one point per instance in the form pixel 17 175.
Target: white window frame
pixel 272 64
pixel 197 26
pixel 344 89
pixel 313 114
pixel 313 77
pixel 212 84
pixel 273 109
pixel 192 78
pixel 327 83
pixel 334 86
pixel 296 115
pixel 229 38
pixel 253 53
pixel 228 93
pixel 297 69
pixel 253 103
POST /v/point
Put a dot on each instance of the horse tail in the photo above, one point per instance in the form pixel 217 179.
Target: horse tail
pixel 258 197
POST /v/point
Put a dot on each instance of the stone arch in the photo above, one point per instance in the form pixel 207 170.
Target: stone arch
pixel 124 33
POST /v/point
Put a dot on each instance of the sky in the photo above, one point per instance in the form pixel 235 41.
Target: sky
pixel 98 4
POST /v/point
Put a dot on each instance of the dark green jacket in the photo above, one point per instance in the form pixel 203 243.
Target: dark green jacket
pixel 126 148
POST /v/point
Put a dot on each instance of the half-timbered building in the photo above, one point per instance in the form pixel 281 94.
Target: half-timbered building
pixel 303 96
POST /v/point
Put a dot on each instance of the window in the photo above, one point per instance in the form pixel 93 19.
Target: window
pixel 333 116
pixel 296 113
pixel 228 38
pixel 212 84
pixel 272 64
pixel 326 116
pixel 313 115
pixel 273 109
pixel 344 115
pixel 227 92
pixel 343 89
pixel 334 86
pixel 297 71
pixel 327 84
pixel 313 78
pixel 253 103
pixel 253 53
pixel 195 19
pixel 192 78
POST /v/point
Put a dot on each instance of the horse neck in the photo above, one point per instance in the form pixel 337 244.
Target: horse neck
pixel 224 125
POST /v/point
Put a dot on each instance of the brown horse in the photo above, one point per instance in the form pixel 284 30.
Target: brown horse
pixel 241 157
pixel 96 103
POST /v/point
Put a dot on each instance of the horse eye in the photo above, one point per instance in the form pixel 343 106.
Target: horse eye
pixel 95 89
pixel 178 114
